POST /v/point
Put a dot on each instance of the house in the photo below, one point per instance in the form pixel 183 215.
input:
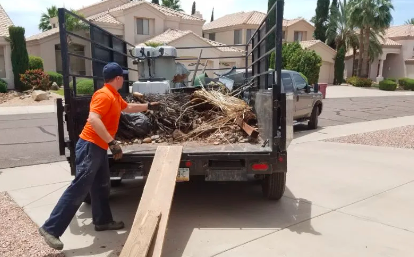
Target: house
pixel 134 21
pixel 237 28
pixel 6 69
pixel 397 59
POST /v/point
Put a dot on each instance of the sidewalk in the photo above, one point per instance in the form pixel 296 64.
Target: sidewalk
pixel 350 91
pixel 13 110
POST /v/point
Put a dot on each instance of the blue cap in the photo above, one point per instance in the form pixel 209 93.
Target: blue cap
pixel 112 70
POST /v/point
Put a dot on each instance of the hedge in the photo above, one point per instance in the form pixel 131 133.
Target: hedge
pixel 3 86
pixel 406 83
pixel 55 77
pixel 35 63
pixel 19 55
pixel 388 85
pixel 83 86
pixel 359 82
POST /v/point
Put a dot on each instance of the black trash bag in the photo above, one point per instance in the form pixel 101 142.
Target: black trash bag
pixel 133 125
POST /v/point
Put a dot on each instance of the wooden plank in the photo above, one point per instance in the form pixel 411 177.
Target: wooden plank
pixel 142 232
pixel 157 197
pixel 247 128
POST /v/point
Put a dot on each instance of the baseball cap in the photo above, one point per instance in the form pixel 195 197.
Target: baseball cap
pixel 112 70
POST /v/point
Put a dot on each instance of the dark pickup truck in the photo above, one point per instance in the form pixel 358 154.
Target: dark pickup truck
pixel 274 108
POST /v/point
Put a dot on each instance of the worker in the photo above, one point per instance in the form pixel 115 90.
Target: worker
pixel 92 167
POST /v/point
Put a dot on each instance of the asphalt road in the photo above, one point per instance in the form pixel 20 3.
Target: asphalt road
pixel 31 139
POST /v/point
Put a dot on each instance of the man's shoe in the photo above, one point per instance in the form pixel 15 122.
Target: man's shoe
pixel 51 240
pixel 114 225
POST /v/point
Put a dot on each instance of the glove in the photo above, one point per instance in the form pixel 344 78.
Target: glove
pixel 154 106
pixel 115 149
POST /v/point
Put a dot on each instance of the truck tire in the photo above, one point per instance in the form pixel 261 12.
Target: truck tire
pixel 273 185
pixel 313 121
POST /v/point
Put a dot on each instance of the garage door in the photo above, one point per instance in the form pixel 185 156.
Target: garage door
pixel 326 73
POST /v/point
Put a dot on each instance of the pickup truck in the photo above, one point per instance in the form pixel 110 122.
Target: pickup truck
pixel 267 160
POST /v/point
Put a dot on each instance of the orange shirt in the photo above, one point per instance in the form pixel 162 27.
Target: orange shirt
pixel 108 103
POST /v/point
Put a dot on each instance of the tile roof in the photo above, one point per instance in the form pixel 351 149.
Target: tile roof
pixel 240 18
pixel 309 43
pixel 5 23
pixel 171 35
pixel 389 42
pixel 104 17
pixel 94 4
pixel 400 31
pixel 43 34
pixel 166 11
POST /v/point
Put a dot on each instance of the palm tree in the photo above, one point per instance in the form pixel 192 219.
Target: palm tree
pixel 173 4
pixel 411 21
pixel 44 20
pixel 370 16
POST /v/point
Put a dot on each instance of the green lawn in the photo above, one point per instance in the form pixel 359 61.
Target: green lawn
pixel 59 92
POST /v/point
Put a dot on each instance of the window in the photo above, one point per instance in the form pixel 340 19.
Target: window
pixel 212 36
pixel 142 26
pixel 299 36
pixel 300 83
pixel 287 82
pixel 249 33
pixel 237 37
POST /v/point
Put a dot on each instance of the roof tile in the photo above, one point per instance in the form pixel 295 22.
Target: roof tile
pixel 400 31
pixel 43 34
pixel 5 23
pixel 104 17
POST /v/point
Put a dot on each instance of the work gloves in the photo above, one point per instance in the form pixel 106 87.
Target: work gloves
pixel 154 106
pixel 115 149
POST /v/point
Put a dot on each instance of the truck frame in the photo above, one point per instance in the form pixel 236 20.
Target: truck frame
pixel 274 109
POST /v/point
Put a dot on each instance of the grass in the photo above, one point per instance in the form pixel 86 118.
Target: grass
pixel 59 91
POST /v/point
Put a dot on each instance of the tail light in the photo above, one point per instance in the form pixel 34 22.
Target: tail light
pixel 280 159
pixel 188 164
pixel 260 166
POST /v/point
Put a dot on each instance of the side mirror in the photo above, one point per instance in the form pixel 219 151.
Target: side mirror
pixel 316 88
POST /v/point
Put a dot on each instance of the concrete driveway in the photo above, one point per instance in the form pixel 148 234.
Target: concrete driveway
pixel 340 200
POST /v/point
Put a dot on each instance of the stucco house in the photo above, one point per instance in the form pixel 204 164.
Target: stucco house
pixel 397 59
pixel 237 28
pixel 134 21
pixel 6 69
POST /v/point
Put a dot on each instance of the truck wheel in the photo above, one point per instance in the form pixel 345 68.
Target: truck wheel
pixel 273 185
pixel 87 199
pixel 313 121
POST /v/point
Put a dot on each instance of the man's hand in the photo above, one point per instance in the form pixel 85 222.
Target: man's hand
pixel 154 106
pixel 115 149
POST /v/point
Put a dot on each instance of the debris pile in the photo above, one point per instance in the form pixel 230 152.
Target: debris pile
pixel 209 116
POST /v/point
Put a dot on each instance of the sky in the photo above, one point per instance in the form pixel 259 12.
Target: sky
pixel 27 13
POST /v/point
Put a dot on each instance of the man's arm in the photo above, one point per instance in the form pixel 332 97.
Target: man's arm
pixel 100 129
pixel 132 108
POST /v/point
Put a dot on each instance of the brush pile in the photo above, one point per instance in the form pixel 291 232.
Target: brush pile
pixel 209 116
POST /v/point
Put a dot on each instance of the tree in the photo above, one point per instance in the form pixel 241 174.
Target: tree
pixel 339 65
pixel 410 22
pixel 156 2
pixel 370 16
pixel 44 24
pixel 193 9
pixel 173 4
pixel 19 55
pixel 212 15
pixel 333 17
pixel 321 19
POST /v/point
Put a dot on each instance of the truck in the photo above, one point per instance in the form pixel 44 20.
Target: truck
pixel 273 105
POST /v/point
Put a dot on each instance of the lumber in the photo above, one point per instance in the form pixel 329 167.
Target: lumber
pixel 156 200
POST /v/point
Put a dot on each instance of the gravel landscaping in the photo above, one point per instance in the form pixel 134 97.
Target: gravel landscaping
pixel 19 234
pixel 397 137
pixel 16 99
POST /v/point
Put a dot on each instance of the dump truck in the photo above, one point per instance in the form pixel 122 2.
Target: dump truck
pixel 272 104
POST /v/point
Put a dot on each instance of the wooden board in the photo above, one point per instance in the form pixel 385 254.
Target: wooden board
pixel 156 200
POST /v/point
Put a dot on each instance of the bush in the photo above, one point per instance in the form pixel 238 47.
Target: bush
pixel 35 63
pixel 83 86
pixel 3 86
pixel 35 79
pixel 359 82
pixel 19 56
pixel 55 77
pixel 388 85
pixel 406 83
pixel 392 79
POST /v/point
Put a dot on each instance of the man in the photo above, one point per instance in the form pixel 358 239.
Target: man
pixel 92 168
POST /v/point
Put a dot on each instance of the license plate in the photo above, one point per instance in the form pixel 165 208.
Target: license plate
pixel 183 174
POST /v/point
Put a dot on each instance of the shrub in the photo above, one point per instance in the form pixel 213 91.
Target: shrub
pixel 3 86
pixel 339 66
pixel 359 82
pixel 35 63
pixel 35 79
pixel 19 56
pixel 55 77
pixel 406 83
pixel 392 79
pixel 83 86
pixel 388 85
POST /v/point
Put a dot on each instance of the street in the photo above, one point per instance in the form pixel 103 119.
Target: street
pixel 31 139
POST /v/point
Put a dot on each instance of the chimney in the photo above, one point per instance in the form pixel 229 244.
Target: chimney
pixel 198 14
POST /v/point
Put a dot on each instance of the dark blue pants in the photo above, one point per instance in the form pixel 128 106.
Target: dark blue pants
pixel 92 175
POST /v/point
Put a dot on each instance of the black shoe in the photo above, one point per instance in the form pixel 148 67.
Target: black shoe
pixel 51 240
pixel 114 225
